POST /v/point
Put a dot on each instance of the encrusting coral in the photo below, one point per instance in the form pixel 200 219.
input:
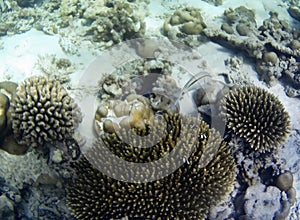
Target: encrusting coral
pixel 186 193
pixel 43 112
pixel 257 116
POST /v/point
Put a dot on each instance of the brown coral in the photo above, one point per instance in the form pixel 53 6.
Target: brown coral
pixel 43 112
pixel 186 193
pixel 257 116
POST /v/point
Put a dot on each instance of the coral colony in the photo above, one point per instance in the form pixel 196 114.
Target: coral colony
pixel 212 174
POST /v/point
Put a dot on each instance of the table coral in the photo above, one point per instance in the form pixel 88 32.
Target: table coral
pixel 187 193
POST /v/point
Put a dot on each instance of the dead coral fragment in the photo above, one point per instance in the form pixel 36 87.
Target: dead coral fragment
pixel 43 112
pixel 187 193
pixel 256 115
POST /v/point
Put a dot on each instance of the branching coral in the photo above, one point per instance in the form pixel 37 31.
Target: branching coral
pixel 257 116
pixel 204 178
pixel 43 112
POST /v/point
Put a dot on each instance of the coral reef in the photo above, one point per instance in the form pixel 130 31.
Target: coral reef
pixel 134 77
pixel 274 45
pixel 203 179
pixel 114 23
pixel 43 112
pixel 103 23
pixel 185 25
pixel 257 116
pixel 32 187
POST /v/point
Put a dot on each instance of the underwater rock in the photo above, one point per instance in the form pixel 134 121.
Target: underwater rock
pixel 270 57
pixel 274 35
pixel 11 146
pixel 7 208
pixel 26 3
pixel 7 141
pixel 3 29
pixel 239 14
pixel 209 93
pixel 9 88
pixel 291 194
pixel 69 7
pixel 133 112
pixel 295 44
pixel 285 181
pixel 294 11
pixel 262 202
pixel 215 2
pixel 147 48
pixel 227 28
pixel 242 29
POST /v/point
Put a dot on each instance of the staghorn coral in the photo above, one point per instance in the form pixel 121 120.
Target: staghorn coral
pixel 43 112
pixel 187 193
pixel 257 116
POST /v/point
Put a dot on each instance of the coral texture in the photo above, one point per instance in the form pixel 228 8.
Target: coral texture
pixel 184 25
pixel 116 21
pixel 262 202
pixel 187 193
pixel 43 112
pixel 257 116
pixel 275 45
